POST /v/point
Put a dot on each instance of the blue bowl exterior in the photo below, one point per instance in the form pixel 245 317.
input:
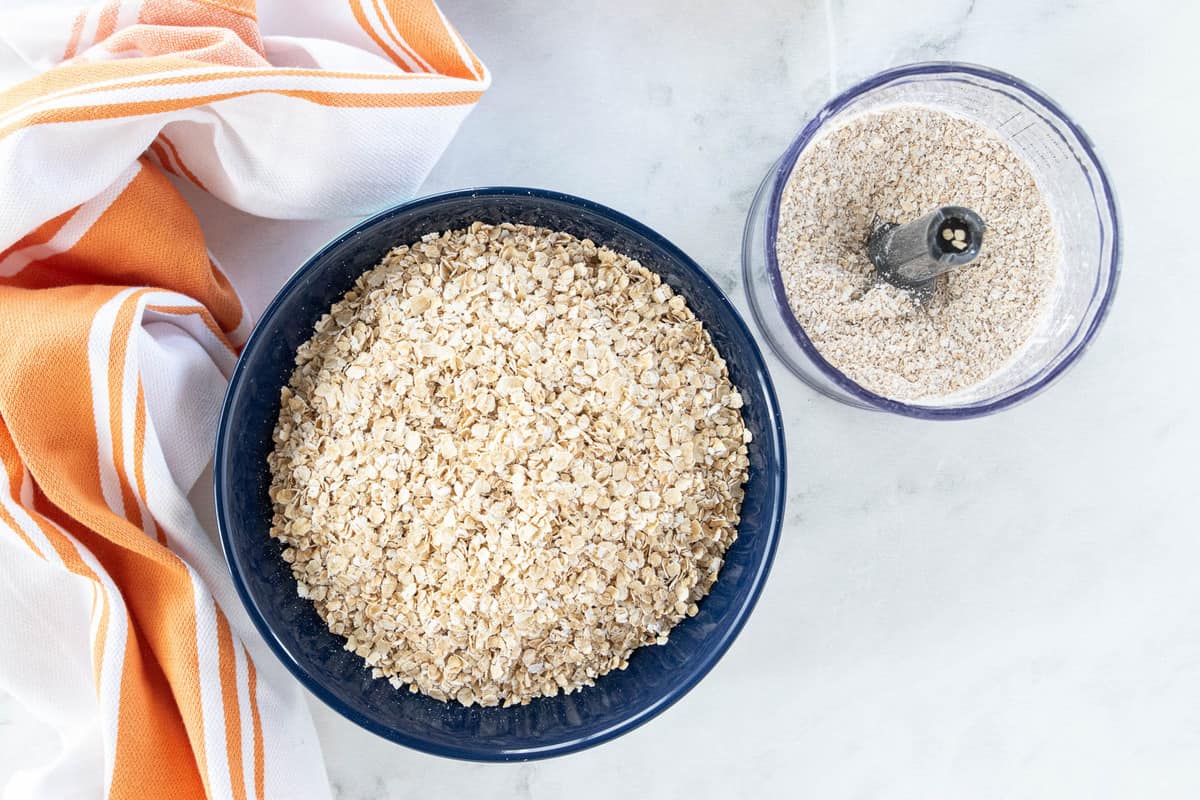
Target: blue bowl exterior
pixel 657 676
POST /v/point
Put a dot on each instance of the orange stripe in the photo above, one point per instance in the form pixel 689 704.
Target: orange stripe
pixel 150 713
pixel 139 447
pixel 179 160
pixel 108 20
pixel 98 646
pixel 76 31
pixel 160 21
pixel 368 100
pixel 170 80
pixel 74 562
pixel 333 99
pixel 15 471
pixel 8 520
pixel 71 558
pixel 256 719
pixel 479 69
pixel 42 234
pixel 387 29
pixel 10 457
pixel 160 714
pixel 425 29
pixel 31 90
pixel 161 153
pixel 66 550
pixel 215 44
pixel 118 346
pixel 160 698
pixel 205 317
pixel 247 11
pixel 229 698
pixel 69 78
pixel 168 255
pixel 361 17
pixel 152 721
pixel 227 287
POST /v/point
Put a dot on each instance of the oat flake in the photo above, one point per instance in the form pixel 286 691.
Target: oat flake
pixel 506 459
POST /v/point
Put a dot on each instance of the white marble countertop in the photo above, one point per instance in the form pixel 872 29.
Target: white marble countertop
pixel 1000 608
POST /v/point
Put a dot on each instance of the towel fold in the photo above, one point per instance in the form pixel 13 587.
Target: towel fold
pixel 118 622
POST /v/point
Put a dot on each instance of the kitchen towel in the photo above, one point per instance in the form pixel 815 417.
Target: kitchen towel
pixel 119 626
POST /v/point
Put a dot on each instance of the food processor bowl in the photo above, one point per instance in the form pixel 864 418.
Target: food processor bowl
pixel 1068 173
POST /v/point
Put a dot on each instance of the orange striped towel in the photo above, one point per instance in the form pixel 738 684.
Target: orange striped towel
pixel 118 623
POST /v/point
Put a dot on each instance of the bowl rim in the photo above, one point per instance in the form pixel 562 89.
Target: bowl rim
pixel 1111 252
pixel 776 488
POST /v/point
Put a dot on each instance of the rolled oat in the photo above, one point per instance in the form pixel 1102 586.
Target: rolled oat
pixel 506 459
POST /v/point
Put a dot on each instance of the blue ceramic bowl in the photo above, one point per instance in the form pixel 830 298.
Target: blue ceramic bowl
pixel 657 676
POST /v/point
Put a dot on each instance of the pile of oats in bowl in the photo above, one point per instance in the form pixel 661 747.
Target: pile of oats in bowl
pixel 506 459
pixel 894 165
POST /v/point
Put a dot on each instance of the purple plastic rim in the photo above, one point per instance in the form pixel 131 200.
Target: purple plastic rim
pixel 1110 250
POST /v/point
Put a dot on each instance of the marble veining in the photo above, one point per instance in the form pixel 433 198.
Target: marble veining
pixel 993 609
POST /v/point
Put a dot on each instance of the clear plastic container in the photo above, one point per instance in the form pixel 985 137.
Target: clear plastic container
pixel 1069 174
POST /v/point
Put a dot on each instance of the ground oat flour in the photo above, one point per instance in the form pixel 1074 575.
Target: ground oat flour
pixel 893 165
